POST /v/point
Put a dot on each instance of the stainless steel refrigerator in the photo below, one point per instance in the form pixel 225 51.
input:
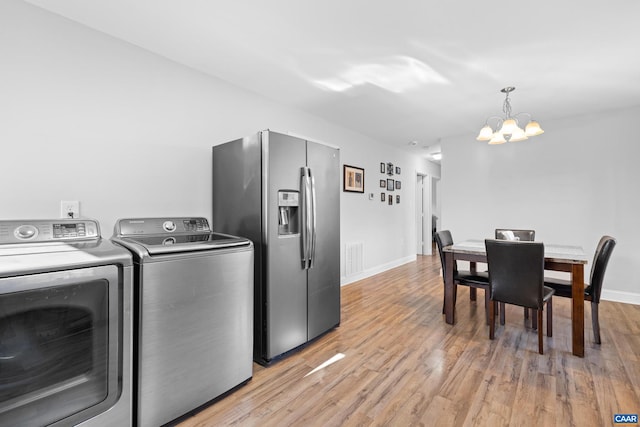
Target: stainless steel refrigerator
pixel 283 193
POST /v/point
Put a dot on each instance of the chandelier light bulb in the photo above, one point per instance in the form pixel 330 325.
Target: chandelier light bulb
pixel 497 138
pixel 508 126
pixel 533 128
pixel 485 133
pixel 518 135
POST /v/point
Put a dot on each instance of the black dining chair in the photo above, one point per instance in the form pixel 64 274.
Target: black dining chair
pixel 516 276
pixel 521 235
pixel 462 277
pixel 515 234
pixel 594 288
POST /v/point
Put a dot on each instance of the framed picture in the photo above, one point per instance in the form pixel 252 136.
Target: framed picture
pixel 397 170
pixel 353 179
pixel 390 169
pixel 383 183
pixel 398 185
pixel 397 198
pixel 383 167
pixel 390 199
pixel 382 197
pixel 390 183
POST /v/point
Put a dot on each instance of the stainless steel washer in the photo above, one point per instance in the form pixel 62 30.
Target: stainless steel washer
pixel 65 325
pixel 193 292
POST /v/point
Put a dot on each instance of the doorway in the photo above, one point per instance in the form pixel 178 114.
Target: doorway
pixel 423 215
pixel 435 207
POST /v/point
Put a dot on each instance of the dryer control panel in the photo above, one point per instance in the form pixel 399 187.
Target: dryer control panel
pixel 55 230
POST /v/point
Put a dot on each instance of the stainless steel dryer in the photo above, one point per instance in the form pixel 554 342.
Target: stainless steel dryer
pixel 193 292
pixel 65 325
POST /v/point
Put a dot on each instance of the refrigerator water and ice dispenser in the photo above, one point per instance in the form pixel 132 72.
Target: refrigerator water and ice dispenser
pixel 288 222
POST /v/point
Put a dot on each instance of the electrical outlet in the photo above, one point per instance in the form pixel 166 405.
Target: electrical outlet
pixel 69 209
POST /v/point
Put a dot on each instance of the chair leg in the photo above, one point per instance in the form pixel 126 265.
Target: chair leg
pixel 472 294
pixel 540 349
pixel 534 316
pixel 502 313
pixel 595 323
pixel 550 317
pixel 487 303
pixel 526 313
pixel 492 319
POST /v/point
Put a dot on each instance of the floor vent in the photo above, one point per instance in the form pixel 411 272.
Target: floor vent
pixel 353 263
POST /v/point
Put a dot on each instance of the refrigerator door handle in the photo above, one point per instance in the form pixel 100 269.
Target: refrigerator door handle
pixel 305 187
pixel 303 232
pixel 309 218
pixel 312 252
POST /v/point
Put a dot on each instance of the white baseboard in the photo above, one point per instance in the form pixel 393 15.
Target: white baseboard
pixel 620 296
pixel 345 280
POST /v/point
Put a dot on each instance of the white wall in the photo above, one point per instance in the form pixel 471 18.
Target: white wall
pixel 388 232
pixel 84 116
pixel 573 184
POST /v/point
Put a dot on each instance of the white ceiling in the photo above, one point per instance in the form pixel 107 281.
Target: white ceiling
pixel 401 71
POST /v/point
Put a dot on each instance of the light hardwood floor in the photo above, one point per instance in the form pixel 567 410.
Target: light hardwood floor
pixel 404 366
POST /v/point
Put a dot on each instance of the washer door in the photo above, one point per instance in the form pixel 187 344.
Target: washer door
pixel 56 360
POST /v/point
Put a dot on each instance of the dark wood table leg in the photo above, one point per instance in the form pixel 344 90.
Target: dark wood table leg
pixel 449 306
pixel 577 309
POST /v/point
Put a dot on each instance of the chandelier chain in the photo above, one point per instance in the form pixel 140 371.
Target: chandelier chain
pixel 506 107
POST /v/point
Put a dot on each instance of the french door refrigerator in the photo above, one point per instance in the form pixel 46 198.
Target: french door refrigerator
pixel 283 193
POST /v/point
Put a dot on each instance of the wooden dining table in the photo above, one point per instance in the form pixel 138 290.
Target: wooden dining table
pixel 566 258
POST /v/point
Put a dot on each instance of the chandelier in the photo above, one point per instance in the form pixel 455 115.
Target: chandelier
pixel 508 128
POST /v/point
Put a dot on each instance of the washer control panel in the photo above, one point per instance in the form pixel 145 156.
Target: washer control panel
pixel 54 230
pixel 147 226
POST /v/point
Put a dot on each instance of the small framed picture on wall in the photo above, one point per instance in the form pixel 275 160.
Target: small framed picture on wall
pixel 382 197
pixel 390 184
pixel 398 185
pixel 353 179
pixel 383 183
